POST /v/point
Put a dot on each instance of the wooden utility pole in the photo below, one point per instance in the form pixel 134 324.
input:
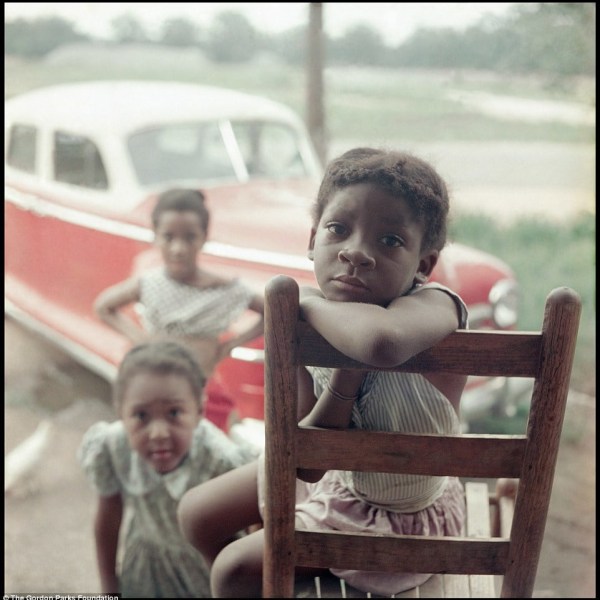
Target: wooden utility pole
pixel 315 111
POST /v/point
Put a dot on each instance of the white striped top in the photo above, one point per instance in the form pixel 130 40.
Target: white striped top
pixel 402 402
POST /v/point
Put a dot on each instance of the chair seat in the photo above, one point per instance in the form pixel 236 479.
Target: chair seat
pixel 437 586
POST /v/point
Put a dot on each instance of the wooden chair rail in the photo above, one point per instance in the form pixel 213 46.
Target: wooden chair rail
pixel 426 554
pixel 385 452
pixel 464 352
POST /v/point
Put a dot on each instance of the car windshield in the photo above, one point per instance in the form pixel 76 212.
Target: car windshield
pixel 222 150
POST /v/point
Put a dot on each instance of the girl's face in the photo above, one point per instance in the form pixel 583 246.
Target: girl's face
pixel 160 413
pixel 367 247
pixel 180 236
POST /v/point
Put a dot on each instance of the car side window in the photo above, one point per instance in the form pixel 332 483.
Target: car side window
pixel 179 151
pixel 269 149
pixel 21 153
pixel 77 161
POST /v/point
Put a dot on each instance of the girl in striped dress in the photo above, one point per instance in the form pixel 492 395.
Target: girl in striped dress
pixel 379 226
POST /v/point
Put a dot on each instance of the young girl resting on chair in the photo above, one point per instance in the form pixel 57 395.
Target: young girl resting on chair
pixel 379 226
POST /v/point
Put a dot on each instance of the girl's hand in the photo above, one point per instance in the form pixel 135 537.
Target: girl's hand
pixel 350 377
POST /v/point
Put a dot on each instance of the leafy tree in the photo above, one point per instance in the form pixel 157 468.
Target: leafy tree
pixel 556 38
pixel 179 32
pixel 290 45
pixel 34 38
pixel 360 45
pixel 127 29
pixel 430 48
pixel 232 38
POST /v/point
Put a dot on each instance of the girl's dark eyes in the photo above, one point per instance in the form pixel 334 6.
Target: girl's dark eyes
pixel 189 238
pixel 392 241
pixel 389 240
pixel 143 416
pixel 336 228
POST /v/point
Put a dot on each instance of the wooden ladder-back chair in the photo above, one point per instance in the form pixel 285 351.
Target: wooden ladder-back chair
pixel 466 566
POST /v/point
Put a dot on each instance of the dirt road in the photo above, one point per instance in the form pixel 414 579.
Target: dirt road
pixel 48 521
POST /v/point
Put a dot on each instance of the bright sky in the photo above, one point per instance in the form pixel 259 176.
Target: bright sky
pixel 395 20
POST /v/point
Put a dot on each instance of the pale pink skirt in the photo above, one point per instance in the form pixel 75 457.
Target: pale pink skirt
pixel 329 505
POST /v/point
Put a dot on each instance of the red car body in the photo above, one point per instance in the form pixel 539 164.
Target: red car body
pixel 79 193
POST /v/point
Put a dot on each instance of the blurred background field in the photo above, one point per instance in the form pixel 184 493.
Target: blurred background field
pixel 361 102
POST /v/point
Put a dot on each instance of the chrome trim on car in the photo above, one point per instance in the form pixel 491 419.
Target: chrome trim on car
pixel 40 206
pixel 88 359
pixel 275 259
pixel 233 150
pixel 45 208
pixel 253 355
pixel 479 313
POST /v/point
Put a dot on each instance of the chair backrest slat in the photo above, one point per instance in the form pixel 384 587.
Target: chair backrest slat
pixel 418 553
pixel 464 352
pixel 422 454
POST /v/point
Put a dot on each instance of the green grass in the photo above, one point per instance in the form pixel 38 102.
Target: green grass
pixel 545 255
pixel 379 103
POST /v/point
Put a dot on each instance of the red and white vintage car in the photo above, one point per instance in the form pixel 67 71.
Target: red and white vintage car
pixel 83 165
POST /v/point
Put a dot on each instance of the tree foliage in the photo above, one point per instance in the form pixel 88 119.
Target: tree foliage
pixel 127 29
pixel 556 39
pixel 360 45
pixel 231 38
pixel 552 38
pixel 179 32
pixel 289 46
pixel 37 37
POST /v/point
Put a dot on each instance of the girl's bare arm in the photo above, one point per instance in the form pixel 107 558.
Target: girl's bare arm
pixel 108 307
pixel 106 529
pixel 333 408
pixel 383 337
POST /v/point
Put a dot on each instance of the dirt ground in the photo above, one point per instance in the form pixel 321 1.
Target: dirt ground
pixel 48 542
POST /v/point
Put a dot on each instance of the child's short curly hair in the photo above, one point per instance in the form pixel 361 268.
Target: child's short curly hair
pixel 398 173
pixel 181 199
pixel 162 358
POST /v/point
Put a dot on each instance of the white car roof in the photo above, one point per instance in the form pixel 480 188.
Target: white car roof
pixel 131 105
